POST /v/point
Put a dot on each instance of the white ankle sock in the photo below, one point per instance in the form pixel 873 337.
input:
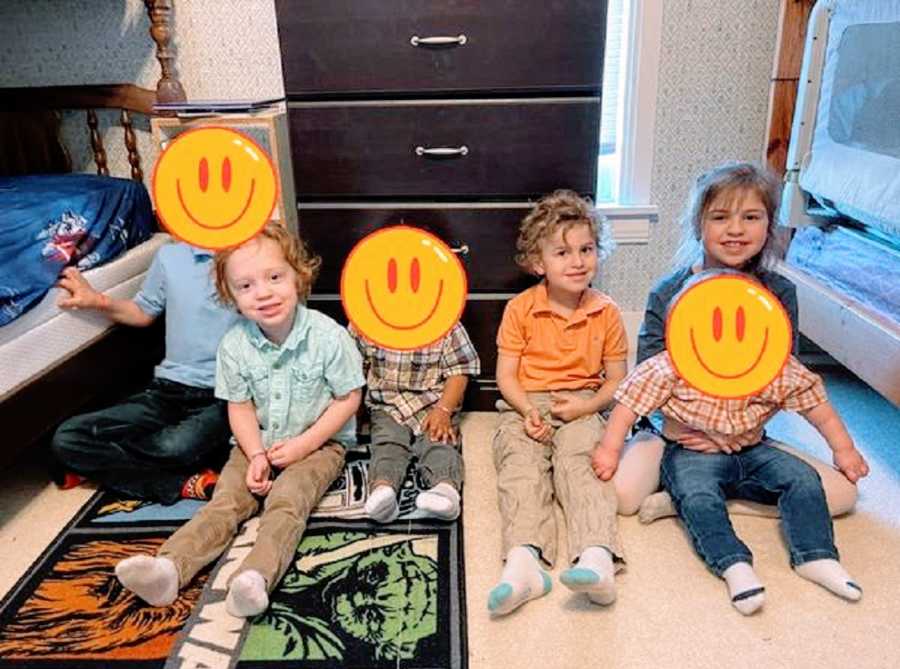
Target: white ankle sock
pixel 153 579
pixel 594 574
pixel 746 592
pixel 522 580
pixel 656 506
pixel 441 501
pixel 831 575
pixel 247 595
pixel 381 505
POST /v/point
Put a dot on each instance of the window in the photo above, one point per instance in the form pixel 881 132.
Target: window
pixel 628 107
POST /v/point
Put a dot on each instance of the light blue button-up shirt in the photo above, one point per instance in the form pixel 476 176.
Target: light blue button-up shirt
pixel 180 283
pixel 290 385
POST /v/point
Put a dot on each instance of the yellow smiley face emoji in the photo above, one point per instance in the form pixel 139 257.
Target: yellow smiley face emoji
pixel 214 187
pixel 728 336
pixel 403 288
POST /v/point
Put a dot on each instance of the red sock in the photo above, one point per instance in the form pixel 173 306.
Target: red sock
pixel 71 480
pixel 200 486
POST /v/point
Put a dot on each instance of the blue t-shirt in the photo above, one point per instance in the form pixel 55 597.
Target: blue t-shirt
pixel 180 283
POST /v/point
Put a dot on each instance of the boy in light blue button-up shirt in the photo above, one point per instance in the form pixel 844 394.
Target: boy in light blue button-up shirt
pixel 292 379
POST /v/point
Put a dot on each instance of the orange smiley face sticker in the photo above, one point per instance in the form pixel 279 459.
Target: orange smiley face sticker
pixel 403 288
pixel 214 187
pixel 728 336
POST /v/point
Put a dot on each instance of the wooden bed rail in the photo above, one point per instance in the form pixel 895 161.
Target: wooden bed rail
pixel 30 119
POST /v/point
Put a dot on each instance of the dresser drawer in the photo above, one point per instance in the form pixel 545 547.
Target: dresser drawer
pixel 485 235
pixel 332 48
pixel 510 150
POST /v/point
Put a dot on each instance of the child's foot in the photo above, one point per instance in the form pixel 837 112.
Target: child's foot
pixel 153 579
pixel 71 480
pixel 594 574
pixel 247 595
pixel 200 486
pixel 522 580
pixel 381 506
pixel 441 501
pixel 831 575
pixel 656 506
pixel 746 591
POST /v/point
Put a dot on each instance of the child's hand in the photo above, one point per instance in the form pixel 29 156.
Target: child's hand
pixel 82 295
pixel 851 462
pixel 605 462
pixel 568 406
pixel 257 478
pixel 287 452
pixel 536 428
pixel 438 427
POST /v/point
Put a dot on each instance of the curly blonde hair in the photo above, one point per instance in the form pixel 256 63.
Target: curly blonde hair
pixel 296 253
pixel 560 210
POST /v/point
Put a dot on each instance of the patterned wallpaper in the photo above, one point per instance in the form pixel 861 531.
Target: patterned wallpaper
pixel 716 61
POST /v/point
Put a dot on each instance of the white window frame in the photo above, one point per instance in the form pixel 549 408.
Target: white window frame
pixel 632 215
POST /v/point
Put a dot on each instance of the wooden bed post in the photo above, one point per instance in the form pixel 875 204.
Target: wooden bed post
pixel 168 88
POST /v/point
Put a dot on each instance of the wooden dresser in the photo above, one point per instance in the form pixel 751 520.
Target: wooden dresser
pixel 451 115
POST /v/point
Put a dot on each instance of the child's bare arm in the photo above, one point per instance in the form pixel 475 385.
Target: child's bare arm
pixel 332 419
pixel 83 296
pixel 517 398
pixel 846 458
pixel 245 428
pixel 568 406
pixel 605 460
pixel 437 424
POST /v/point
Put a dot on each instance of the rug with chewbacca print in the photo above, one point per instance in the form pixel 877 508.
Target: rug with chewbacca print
pixel 357 595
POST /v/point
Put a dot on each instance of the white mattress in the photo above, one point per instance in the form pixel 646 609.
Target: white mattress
pixel 47 335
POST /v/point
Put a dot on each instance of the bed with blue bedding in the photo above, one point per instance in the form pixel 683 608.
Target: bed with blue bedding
pixel 50 222
pixel 842 188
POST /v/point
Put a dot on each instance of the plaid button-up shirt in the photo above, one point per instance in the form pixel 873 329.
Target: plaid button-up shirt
pixel 654 384
pixel 407 383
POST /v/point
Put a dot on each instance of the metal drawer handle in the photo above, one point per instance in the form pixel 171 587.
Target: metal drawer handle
pixel 462 250
pixel 459 40
pixel 443 151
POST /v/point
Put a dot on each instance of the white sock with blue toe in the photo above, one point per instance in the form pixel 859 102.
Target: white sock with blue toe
pixel 522 580
pixel 594 574
pixel 831 575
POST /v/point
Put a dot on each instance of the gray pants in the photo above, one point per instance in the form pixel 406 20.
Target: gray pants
pixel 393 446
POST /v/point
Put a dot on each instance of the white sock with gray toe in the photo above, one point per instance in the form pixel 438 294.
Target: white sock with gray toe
pixel 832 576
pixel 153 579
pixel 441 501
pixel 381 505
pixel 656 506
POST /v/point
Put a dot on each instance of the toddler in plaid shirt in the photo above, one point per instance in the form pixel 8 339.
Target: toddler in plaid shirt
pixel 746 467
pixel 413 399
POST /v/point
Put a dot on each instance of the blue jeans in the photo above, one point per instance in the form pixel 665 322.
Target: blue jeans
pixel 700 483
pixel 146 447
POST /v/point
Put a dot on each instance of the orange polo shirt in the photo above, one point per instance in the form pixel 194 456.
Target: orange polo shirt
pixel 559 353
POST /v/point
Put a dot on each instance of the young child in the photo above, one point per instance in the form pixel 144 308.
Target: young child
pixel 561 355
pixel 292 379
pixel 729 222
pixel 413 398
pixel 159 443
pixel 699 482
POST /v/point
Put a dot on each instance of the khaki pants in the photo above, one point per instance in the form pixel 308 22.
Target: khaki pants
pixel 530 473
pixel 294 494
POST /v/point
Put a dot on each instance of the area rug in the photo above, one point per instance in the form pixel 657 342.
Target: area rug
pixel 357 595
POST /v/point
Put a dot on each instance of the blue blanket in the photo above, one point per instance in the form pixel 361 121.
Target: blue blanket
pixel 49 222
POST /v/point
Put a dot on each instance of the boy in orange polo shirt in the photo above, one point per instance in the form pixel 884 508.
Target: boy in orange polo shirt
pixel 562 350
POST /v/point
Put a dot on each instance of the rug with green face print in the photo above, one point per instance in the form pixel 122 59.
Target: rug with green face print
pixel 357 594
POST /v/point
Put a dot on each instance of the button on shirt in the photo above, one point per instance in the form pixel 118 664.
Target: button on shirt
pixel 290 385
pixel 180 283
